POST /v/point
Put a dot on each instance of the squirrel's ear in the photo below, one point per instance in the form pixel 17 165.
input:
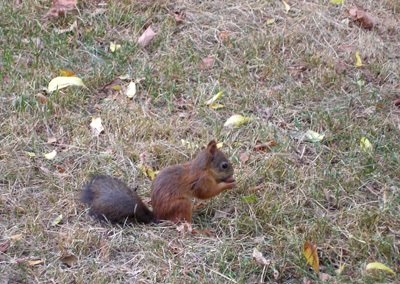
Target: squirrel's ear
pixel 212 147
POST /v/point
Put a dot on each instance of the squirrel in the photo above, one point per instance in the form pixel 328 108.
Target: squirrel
pixel 207 175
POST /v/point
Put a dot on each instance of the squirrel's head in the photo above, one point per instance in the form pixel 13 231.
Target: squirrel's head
pixel 211 158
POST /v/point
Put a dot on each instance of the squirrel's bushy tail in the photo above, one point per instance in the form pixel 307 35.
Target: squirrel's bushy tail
pixel 111 199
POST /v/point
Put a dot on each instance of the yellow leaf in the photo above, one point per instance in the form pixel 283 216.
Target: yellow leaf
pixel 51 155
pixel 116 88
pixel 311 255
pixel 214 98
pixel 63 82
pixel 150 173
pixel 337 1
pixel 34 262
pixel 15 238
pixel 217 106
pixel 287 6
pixel 131 90
pixel 365 145
pixel 30 154
pixel 380 266
pixel 97 126
pixel 358 60
pixel 314 136
pixel 237 120
pixel 114 47
pixel 147 171
pixel 220 144
pixel 67 73
pixel 57 220
pixel 270 21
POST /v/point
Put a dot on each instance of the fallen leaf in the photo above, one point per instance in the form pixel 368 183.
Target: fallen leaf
pixel 67 73
pixel 69 260
pixel 314 136
pixel 179 16
pixel 219 145
pixel 264 146
pixel 57 220
pixel 365 145
pixel 96 126
pixel 41 98
pixel 237 120
pixel 365 19
pixel 259 258
pixel 214 98
pixel 358 60
pixel 146 37
pixel 380 266
pixel 63 82
pixel 51 155
pixel 207 63
pixel 270 21
pixel 184 227
pixel 339 271
pixel 114 47
pixel 4 246
pixel 72 27
pixel 30 154
pixel 224 36
pixel 131 90
pixel 397 102
pixel 337 1
pixel 217 106
pixel 114 85
pixel 51 140
pixel 311 255
pixel 34 262
pixel 287 6
pixel 60 169
pixel 244 158
pixel 15 238
pixel 147 171
pixel 60 7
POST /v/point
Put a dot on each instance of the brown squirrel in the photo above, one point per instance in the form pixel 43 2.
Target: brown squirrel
pixel 207 175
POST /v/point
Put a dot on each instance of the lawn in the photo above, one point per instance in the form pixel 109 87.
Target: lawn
pixel 290 71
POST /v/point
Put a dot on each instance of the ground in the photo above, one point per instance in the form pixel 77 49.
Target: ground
pixel 289 71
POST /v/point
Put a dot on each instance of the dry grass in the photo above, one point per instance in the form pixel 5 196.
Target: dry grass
pixel 344 200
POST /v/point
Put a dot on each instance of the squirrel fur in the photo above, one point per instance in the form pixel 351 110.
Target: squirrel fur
pixel 205 176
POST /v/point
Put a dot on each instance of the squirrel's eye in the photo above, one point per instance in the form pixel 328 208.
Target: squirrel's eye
pixel 224 165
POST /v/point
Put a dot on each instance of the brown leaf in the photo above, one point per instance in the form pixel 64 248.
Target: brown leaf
pixel 244 157
pixel 184 227
pixel 224 36
pixel 51 140
pixel 365 19
pixel 264 146
pixel 207 63
pixel 60 7
pixel 60 169
pixel 112 85
pixel 146 37
pixel 179 16
pixel 42 98
pixel 69 260
pixel 5 246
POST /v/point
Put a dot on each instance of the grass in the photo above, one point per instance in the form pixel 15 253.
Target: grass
pixel 294 75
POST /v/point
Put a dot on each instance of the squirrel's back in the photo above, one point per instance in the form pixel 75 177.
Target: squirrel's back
pixel 110 199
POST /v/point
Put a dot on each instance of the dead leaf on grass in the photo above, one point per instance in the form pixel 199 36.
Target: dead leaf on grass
pixel 146 37
pixel 41 98
pixel 34 262
pixel 259 258
pixel 397 102
pixel 51 140
pixel 311 255
pixel 244 158
pixel 207 62
pixel 60 7
pixel 51 155
pixel 67 73
pixel 264 146
pixel 379 266
pixel 179 16
pixel 224 36
pixel 71 28
pixel 113 85
pixel 69 260
pixel 365 19
pixel 4 246
pixel 184 227
pixel 97 126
